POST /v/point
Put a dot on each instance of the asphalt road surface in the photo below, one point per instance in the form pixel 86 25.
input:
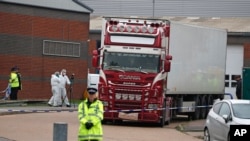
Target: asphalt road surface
pixel 39 127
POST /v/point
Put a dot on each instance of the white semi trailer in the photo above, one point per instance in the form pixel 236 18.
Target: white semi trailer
pixel 197 75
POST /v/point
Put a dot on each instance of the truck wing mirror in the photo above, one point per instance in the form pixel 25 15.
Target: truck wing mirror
pixel 167 63
pixel 95 58
pixel 167 66
pixel 168 57
pixel 95 53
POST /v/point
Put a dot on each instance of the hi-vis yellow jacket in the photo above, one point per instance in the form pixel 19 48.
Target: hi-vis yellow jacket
pixel 14 80
pixel 94 114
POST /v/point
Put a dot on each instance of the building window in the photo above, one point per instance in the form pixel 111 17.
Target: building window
pixel 61 48
pixel 233 82
pixel 230 81
pixel 227 80
pixel 227 84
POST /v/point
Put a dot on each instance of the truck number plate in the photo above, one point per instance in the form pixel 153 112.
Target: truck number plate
pixel 128 116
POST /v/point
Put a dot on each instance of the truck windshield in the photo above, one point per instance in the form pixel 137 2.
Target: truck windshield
pixel 118 61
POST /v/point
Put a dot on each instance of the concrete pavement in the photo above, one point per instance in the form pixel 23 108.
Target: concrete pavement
pixel 60 114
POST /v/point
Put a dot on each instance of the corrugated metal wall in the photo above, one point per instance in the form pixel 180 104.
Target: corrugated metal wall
pixel 160 8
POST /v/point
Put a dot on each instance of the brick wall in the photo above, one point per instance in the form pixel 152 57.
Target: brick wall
pixel 246 55
pixel 21 37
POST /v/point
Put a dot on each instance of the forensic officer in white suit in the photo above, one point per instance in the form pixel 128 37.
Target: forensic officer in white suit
pixel 55 100
pixel 62 87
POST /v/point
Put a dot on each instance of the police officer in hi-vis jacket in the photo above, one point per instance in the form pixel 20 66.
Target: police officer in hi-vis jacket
pixel 90 115
pixel 14 83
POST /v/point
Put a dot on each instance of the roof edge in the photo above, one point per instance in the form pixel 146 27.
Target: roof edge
pixel 83 5
pixel 243 34
pixel 87 8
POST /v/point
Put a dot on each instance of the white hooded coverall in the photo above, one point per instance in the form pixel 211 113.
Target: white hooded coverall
pixel 54 82
pixel 62 87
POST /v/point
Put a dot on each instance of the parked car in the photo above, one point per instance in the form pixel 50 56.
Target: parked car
pixel 223 114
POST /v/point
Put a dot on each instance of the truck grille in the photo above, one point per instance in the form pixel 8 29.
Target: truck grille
pixel 128 98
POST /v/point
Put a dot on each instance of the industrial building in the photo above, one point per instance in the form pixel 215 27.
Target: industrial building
pixel 41 37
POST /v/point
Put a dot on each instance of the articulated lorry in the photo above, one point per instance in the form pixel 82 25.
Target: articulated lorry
pixel 139 80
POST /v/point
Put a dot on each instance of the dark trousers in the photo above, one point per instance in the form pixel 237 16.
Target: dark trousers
pixel 13 94
pixel 238 95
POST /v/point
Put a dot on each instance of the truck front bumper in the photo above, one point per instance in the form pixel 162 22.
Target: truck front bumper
pixel 151 116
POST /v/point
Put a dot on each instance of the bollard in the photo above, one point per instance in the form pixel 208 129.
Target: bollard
pixel 60 132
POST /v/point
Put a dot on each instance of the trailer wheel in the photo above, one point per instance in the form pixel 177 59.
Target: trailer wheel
pixel 203 109
pixel 196 114
pixel 210 102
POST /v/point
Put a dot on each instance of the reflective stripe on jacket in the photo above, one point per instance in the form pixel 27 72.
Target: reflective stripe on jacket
pixel 94 114
pixel 14 80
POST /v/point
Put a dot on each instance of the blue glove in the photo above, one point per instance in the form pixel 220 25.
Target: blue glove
pixel 88 125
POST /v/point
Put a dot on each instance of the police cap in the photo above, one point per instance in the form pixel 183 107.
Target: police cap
pixel 91 90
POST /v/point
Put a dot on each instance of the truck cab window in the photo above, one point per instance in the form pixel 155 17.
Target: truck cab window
pixel 131 62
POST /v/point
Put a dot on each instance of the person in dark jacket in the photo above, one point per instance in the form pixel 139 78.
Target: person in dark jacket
pixel 238 87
